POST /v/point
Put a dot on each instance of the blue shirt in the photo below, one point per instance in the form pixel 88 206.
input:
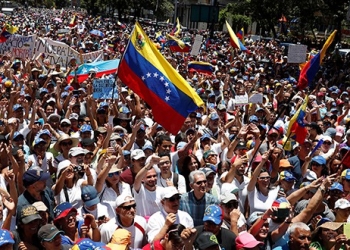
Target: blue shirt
pixel 196 208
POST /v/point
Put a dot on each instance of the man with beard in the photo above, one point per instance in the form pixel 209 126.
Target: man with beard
pixel 126 218
pixel 160 222
pixel 146 192
pixel 35 183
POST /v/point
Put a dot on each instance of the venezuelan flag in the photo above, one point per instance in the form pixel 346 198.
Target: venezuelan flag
pixel 73 21
pixel 235 42
pixel 176 29
pixel 176 45
pixel 201 67
pixel 311 68
pixel 145 70
pixel 123 26
pixel 7 31
pixel 240 35
pixel 160 38
pixel 296 127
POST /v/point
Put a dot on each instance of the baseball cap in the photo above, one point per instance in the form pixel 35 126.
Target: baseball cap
pixel 120 239
pixel 342 204
pixel 123 198
pixel 54 116
pixel 208 153
pixel 214 116
pixel 241 145
pixel 85 128
pixel 284 163
pixel 206 240
pixel 73 116
pixel 205 136
pixel 48 232
pixel 287 175
pixel 213 213
pixel 311 175
pixel 65 120
pixel 331 132
pixel 337 186
pixel 346 174
pixel 88 244
pixel 169 192
pixel 137 154
pixel 29 214
pixel 40 206
pixel 32 176
pixel 87 142
pixel 89 195
pixel 227 197
pixel 17 107
pixel 6 237
pixel 246 240
pixel 273 131
pixel 319 159
pixel 74 151
pixel 253 118
pixel 221 107
pixel 62 210
pixel 207 170
pixel 16 135
pixel 340 131
pixel 253 217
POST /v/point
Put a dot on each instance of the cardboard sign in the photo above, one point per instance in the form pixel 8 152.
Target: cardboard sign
pixel 103 89
pixel 19 46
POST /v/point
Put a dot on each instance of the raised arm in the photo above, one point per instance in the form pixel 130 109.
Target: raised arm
pixel 257 170
pixel 142 173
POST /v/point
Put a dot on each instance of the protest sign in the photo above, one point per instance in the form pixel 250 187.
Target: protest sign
pixel 241 100
pixel 19 46
pixel 297 53
pixel 103 89
pixel 196 45
pixel 93 56
pixel 256 98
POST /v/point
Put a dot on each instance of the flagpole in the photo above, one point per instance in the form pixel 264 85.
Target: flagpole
pixel 121 59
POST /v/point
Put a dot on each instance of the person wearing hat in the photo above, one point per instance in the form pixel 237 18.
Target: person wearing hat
pixel 327 147
pixel 69 180
pixel 213 125
pixel 51 239
pixel 26 234
pixel 74 229
pixel 43 211
pixel 169 215
pixel 246 241
pixel 287 181
pixel 65 125
pixel 126 218
pixel 34 182
pixel 205 241
pixel 62 146
pixel 210 157
pixel 206 144
pixel 342 210
pixel 73 118
pixel 273 135
pixel 86 131
pixel 329 236
pixel 166 177
pixel 213 219
pixel 233 219
pixel 92 205
pixel 6 240
pixel 318 165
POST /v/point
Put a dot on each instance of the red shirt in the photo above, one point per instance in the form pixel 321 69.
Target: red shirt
pixel 156 246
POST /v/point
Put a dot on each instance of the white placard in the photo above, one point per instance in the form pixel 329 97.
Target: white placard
pixel 297 53
pixel 197 45
pixel 256 98
pixel 241 100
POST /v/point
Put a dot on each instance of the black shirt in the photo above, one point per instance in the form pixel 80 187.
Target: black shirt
pixel 226 238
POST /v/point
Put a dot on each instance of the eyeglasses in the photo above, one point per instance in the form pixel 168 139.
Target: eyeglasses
pixel 264 178
pixel 327 143
pixel 129 207
pixel 174 198
pixel 201 182
pixel 110 175
pixel 68 143
pixel 316 164
pixel 213 155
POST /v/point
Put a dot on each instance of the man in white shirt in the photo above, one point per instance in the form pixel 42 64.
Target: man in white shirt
pixel 126 218
pixel 160 222
pixel 146 192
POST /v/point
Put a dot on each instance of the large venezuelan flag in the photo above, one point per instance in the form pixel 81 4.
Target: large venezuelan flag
pixel 235 42
pixel 296 127
pixel 311 68
pixel 201 67
pixel 148 74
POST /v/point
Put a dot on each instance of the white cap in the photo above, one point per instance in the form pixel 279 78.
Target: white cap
pixel 137 154
pixel 311 175
pixel 66 121
pixel 62 165
pixel 123 198
pixel 76 151
pixel 227 197
pixel 53 115
pixel 342 204
pixel 169 192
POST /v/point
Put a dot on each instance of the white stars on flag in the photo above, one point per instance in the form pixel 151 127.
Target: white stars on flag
pixel 150 76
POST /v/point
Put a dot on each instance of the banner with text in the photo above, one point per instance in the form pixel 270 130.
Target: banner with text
pixel 19 46
pixel 103 89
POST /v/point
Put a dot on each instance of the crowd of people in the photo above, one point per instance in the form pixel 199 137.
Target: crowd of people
pixel 81 173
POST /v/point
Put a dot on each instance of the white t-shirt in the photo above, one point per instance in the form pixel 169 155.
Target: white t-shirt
pixel 181 183
pixel 138 236
pixel 157 221
pixel 109 196
pixel 74 195
pixel 259 202
pixel 101 210
pixel 148 202
pixel 216 147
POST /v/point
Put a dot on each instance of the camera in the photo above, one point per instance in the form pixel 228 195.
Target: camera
pixel 78 168
pixel 281 212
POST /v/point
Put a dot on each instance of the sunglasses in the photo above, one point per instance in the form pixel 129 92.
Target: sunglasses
pixel 68 143
pixel 110 175
pixel 174 198
pixel 327 143
pixel 231 205
pixel 65 125
pixel 316 164
pixel 129 207
pixel 201 182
